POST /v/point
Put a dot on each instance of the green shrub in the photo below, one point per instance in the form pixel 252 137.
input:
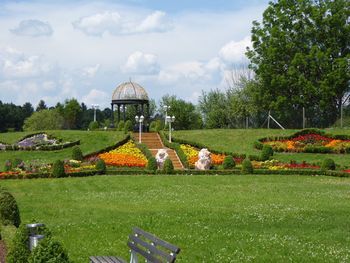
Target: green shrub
pixel 9 212
pixel 328 164
pixel 228 162
pixel 58 169
pixel 77 153
pixel 152 164
pixel 266 152
pixel 101 166
pixel 128 126
pixel 168 167
pixel 247 167
pixel 156 125
pixel 50 251
pixel 17 163
pixel 18 250
pixel 93 125
pixel 8 165
pixel 121 125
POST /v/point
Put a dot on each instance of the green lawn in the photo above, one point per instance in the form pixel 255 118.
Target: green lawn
pixel 212 218
pixel 242 141
pixel 90 141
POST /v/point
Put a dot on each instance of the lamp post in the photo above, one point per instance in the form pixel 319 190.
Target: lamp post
pixel 166 108
pixel 170 120
pixel 140 121
pixel 95 107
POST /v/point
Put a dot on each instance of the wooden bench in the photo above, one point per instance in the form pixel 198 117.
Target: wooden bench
pixel 146 245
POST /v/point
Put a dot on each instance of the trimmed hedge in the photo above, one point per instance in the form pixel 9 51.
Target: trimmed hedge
pixel 176 147
pixel 9 212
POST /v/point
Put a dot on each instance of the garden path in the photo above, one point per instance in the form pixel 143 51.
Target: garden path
pixel 154 143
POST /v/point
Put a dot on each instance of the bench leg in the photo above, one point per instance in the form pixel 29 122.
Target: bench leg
pixel 133 258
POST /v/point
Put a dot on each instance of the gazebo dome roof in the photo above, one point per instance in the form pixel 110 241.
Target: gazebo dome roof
pixel 129 91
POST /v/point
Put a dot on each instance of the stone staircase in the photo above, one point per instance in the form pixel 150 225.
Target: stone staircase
pixel 154 143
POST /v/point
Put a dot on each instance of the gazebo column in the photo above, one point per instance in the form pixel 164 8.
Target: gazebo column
pixel 142 111
pixel 124 112
pixel 118 105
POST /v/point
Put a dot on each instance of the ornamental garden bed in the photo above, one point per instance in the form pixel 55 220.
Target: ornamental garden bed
pixel 36 142
pixel 308 141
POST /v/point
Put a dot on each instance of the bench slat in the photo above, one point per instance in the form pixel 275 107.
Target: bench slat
pixel 106 259
pixel 152 249
pixel 156 240
pixel 143 253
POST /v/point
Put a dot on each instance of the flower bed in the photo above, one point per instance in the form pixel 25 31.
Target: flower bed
pixel 40 141
pixel 308 141
pixel 277 165
pixel 125 155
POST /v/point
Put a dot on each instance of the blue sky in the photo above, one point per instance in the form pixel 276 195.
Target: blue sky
pixel 84 49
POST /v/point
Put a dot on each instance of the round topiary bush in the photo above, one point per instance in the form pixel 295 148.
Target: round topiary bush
pixel 328 164
pixel 18 250
pixel 58 169
pixel 152 164
pixel 168 167
pixel 77 154
pixel 48 250
pixel 9 212
pixel 101 166
pixel 93 125
pixel 266 152
pixel 121 125
pixel 247 167
pixel 228 162
pixel 128 126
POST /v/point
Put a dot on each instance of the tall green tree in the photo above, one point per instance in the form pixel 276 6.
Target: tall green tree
pixel 187 116
pixel 72 114
pixel 301 54
pixel 41 106
pixel 44 120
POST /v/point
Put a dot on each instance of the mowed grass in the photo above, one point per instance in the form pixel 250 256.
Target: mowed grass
pixel 212 218
pixel 90 141
pixel 242 141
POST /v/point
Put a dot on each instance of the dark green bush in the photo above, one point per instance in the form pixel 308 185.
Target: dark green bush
pixel 93 125
pixel 152 164
pixel 247 167
pixel 101 166
pixel 8 165
pixel 48 251
pixel 168 167
pixel 228 162
pixel 9 212
pixel 17 163
pixel 58 169
pixel 77 154
pixel 266 152
pixel 128 126
pixel 18 251
pixel 328 164
pixel 121 125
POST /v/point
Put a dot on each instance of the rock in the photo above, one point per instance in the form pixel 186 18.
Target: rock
pixel 161 156
pixel 204 160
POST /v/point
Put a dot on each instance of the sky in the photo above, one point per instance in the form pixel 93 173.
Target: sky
pixel 57 50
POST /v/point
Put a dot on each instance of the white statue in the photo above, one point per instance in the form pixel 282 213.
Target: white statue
pixel 161 156
pixel 204 160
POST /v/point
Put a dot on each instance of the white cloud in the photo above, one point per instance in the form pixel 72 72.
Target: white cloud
pixel 14 64
pixel 141 63
pixel 99 23
pixel 96 96
pixel 33 28
pixel 116 24
pixel 155 22
pixel 91 71
pixel 234 51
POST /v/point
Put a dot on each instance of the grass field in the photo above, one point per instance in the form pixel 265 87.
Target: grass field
pixel 90 141
pixel 242 141
pixel 212 218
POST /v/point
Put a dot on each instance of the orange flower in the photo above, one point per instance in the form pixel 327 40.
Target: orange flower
pixel 217 159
